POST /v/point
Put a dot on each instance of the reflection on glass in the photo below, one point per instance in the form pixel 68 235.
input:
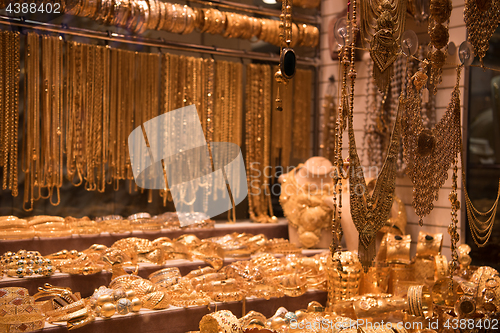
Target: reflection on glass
pixel 483 147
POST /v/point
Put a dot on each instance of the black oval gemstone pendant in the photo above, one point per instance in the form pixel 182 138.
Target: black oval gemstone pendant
pixel 288 61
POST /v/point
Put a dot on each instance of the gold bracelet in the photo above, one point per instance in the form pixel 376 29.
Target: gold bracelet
pixel 77 323
pixel 220 322
pixel 43 219
pixel 13 222
pixel 9 294
pixel 232 296
pixel 429 245
pixel 53 233
pixel 171 273
pixel 201 271
pixel 441 266
pixel 156 300
pixel 75 315
pixel 23 327
pixel 15 233
pixel 19 318
pixel 80 304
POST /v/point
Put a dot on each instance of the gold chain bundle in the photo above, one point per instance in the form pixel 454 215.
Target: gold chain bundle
pixel 9 115
pixel 31 153
pixel 302 114
pixel 258 114
pixel 83 100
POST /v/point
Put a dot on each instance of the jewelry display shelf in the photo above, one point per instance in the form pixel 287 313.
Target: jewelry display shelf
pixel 87 284
pixel 181 320
pixel 81 242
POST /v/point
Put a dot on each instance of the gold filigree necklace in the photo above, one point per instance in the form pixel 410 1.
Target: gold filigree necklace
pixel 429 153
pixel 382 23
pixel 481 19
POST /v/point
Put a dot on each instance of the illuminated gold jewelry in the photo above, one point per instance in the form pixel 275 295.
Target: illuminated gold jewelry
pixel 429 245
pixel 481 19
pixel 398 249
pixel 220 322
pixel 429 153
pixel 382 23
pixel 439 15
pixel 287 55
pixel 304 208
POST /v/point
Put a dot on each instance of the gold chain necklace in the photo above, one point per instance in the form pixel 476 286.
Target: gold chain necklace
pixel 440 12
pixel 429 152
pixel 370 212
pixel 382 23
pixel 7 110
pixel 32 158
pixel 301 113
pixel 9 113
pixel 481 19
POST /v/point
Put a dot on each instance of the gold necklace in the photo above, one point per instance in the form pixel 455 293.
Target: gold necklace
pixel 453 227
pixel 301 113
pixel 13 183
pixel 9 103
pixel 440 12
pixel 32 159
pixel 330 114
pixel 258 106
pixel 481 19
pixel 370 212
pixel 429 152
pixel 382 24
pixel 106 92
pixel 287 55
pixel 7 110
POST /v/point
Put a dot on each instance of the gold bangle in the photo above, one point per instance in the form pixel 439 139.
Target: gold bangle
pixel 13 222
pixel 441 266
pixel 232 296
pixel 156 300
pixel 15 233
pixel 23 327
pixel 44 219
pixel 80 304
pixel 207 278
pixel 82 270
pixel 201 271
pixel 398 249
pixel 21 318
pixel 170 273
pixel 77 323
pixel 53 233
pixel 50 226
pixel 75 315
pixel 8 294
pixel 429 245
pixel 221 321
